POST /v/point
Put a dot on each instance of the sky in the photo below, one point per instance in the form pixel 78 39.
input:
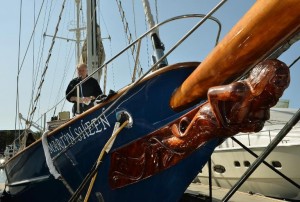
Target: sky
pixel 18 90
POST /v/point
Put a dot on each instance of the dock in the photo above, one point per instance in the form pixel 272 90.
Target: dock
pixel 198 192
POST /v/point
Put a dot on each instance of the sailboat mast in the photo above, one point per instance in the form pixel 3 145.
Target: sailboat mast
pixel 92 54
pixel 156 42
pixel 77 31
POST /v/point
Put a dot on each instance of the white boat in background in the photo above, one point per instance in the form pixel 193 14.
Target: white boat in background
pixel 230 161
pixel 9 151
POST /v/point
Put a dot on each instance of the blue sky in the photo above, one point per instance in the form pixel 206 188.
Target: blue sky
pixel 62 64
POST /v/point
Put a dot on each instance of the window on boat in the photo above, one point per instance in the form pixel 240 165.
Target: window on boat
pixel 276 164
pixel 247 163
pixel 219 169
pixel 237 164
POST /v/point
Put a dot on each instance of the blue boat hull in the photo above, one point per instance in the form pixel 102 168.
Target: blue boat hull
pixel 75 147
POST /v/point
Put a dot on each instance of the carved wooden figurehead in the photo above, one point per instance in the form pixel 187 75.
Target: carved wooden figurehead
pixel 242 106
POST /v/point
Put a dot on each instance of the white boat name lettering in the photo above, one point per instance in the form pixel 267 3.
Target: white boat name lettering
pixel 82 132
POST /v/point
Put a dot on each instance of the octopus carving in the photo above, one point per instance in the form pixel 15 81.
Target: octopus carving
pixel 242 106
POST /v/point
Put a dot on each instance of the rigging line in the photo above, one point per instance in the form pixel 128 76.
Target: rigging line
pixel 156 11
pixel 31 38
pixel 42 42
pixel 46 66
pixel 33 52
pixel 112 66
pixel 128 35
pixel 109 37
pixel 148 52
pixel 17 95
pixel 44 31
pixel 126 28
pixel 40 54
pixel 74 72
pixel 294 62
pixel 128 59
pixel 33 59
pixel 66 67
pixel 82 17
pixel 64 27
pixel 49 96
pixel 53 107
pixel 104 24
pixel 62 100
pixel 134 21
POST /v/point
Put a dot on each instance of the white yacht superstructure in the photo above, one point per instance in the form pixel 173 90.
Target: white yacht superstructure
pixel 230 161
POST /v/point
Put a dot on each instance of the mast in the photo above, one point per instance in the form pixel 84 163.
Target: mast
pixel 92 53
pixel 158 46
pixel 77 31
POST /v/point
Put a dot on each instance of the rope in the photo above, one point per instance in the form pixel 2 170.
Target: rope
pixel 31 37
pixel 66 69
pixel 105 67
pixel 46 68
pixel 112 68
pixel 294 62
pixel 49 161
pixel 40 55
pixel 134 19
pixel 54 94
pixel 93 173
pixel 126 28
pixel 50 164
pixel 136 62
pixel 17 96
pixel 33 54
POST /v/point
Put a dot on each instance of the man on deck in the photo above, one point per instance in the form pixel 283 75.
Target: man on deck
pixel 88 91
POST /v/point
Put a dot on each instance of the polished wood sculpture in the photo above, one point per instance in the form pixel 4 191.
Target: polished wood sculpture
pixel 242 106
pixel 264 28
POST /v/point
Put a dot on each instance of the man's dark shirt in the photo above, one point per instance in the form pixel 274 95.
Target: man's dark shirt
pixel 89 88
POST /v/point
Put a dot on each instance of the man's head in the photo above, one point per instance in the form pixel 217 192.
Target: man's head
pixel 82 70
pixel 270 77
